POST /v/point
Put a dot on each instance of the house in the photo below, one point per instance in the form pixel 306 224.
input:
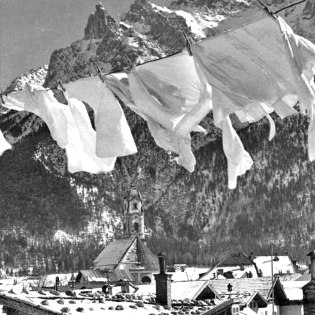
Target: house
pixel 282 265
pixel 236 265
pixel 294 293
pixel 130 253
pixel 255 294
pixel 309 289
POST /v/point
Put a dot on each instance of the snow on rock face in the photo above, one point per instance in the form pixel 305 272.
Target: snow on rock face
pixel 149 32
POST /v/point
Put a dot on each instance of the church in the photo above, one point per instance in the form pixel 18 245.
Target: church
pixel 129 256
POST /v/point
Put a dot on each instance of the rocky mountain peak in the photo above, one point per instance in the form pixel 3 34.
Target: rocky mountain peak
pixel 309 10
pixel 99 23
pixel 271 199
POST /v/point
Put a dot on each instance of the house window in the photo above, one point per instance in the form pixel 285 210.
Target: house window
pixel 235 310
pixel 136 226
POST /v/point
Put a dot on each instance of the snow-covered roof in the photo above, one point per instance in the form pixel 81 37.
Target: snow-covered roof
pixel 293 289
pixel 247 286
pixel 237 263
pixel 283 265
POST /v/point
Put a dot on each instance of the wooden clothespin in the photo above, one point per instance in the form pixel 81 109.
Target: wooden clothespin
pixel 60 84
pixel 98 70
pixel 187 43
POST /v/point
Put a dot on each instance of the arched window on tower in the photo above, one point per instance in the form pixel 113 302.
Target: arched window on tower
pixel 136 226
pixel 135 205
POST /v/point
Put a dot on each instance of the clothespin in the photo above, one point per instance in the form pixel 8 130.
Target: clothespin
pixel 130 64
pixel 187 43
pixel 60 84
pixel 98 70
pixel 266 8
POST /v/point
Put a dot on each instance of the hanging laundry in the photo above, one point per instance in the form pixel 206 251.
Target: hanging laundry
pixel 4 144
pixel 248 69
pixel 169 95
pixel 41 102
pixel 300 54
pixel 250 76
pixel 81 139
pixel 113 135
pixel 239 161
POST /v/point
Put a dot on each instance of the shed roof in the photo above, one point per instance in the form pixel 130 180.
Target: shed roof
pixel 92 275
pixel 103 276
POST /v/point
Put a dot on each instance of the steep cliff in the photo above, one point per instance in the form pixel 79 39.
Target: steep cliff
pixel 273 201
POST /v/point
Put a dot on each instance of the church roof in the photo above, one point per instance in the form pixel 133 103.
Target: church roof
pixel 113 253
pixel 132 252
pixel 147 258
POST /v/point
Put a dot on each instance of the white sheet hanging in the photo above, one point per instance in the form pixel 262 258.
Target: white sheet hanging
pixel 300 54
pixel 250 76
pixel 4 144
pixel 113 135
pixel 82 141
pixel 169 95
pixel 239 161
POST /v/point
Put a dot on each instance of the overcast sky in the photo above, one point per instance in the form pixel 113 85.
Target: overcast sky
pixel 31 29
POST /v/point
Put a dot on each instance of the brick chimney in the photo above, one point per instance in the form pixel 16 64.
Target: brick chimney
pixel 163 283
pixel 309 289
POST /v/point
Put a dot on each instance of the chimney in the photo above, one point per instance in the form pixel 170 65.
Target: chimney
pixel 163 283
pixel 309 289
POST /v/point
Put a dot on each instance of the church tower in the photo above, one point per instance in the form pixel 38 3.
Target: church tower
pixel 133 215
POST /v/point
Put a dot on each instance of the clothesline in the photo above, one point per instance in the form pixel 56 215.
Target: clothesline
pixel 251 71
pixel 187 44
pixel 188 40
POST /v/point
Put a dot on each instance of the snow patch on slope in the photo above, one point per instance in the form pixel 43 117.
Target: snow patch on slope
pixel 198 22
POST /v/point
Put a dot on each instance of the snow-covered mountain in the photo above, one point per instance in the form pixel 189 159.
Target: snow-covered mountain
pixel 274 200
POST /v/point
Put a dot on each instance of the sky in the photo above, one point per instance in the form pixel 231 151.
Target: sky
pixel 31 29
